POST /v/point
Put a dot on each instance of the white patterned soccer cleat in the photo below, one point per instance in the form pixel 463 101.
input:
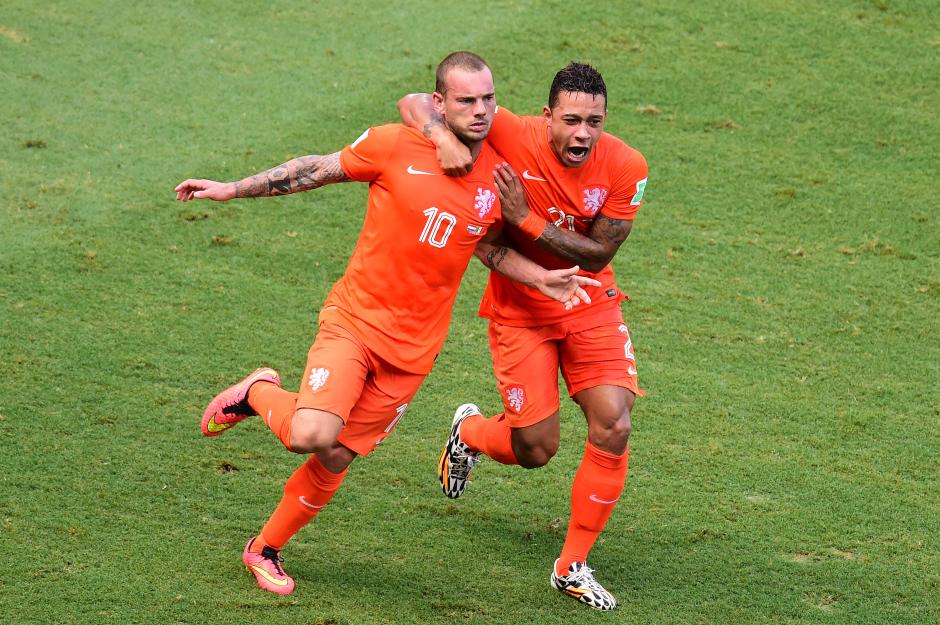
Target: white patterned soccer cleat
pixel 580 584
pixel 456 463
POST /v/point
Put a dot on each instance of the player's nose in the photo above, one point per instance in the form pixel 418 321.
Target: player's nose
pixel 581 133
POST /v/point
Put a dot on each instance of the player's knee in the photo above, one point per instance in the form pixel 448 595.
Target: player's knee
pixel 535 445
pixel 336 459
pixel 611 432
pixel 622 428
pixel 305 439
pixel 313 431
pixel 535 456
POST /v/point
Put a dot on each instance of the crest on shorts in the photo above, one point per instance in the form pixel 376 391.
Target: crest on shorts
pixel 484 201
pixel 515 396
pixel 594 198
pixel 318 378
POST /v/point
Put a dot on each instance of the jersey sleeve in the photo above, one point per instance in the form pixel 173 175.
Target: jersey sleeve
pixel 365 158
pixel 505 129
pixel 629 184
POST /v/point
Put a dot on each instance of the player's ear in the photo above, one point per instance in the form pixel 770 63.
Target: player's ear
pixel 547 113
pixel 437 101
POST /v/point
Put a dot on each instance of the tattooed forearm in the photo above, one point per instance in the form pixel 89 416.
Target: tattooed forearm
pixel 299 174
pixel 610 232
pixel 592 252
pixel 418 107
pixel 252 187
pixel 279 181
pixel 495 256
pixel 569 245
pixel 436 121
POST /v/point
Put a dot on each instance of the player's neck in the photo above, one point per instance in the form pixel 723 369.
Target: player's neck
pixel 475 147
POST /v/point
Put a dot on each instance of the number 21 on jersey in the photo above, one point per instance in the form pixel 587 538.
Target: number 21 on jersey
pixel 561 219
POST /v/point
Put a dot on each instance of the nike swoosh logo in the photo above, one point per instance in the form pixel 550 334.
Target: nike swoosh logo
pixel 603 501
pixel 418 172
pixel 277 582
pixel 215 428
pixel 310 505
pixel 529 176
pixel 631 370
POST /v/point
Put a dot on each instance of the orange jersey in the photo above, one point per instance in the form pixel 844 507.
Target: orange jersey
pixel 420 230
pixel 611 182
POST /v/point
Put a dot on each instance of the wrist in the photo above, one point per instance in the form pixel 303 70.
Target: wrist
pixel 532 226
pixel 539 281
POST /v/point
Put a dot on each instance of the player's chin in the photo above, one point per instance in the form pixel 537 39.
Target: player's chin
pixel 475 133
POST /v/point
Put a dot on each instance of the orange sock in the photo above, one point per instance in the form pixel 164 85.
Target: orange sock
pixel 276 408
pixel 307 491
pixel 492 436
pixel 597 486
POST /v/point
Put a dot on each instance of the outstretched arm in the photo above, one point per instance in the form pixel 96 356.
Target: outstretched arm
pixel 563 285
pixel 299 174
pixel 417 111
pixel 593 252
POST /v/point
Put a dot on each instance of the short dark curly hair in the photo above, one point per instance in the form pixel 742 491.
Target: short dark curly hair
pixel 577 77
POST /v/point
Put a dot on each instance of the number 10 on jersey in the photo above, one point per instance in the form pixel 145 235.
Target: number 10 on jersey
pixel 438 227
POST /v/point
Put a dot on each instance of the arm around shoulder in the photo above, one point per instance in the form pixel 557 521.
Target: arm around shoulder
pixel 417 111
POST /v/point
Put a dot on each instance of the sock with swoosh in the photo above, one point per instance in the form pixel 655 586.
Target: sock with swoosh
pixel 597 486
pixel 307 492
pixel 276 408
pixel 491 436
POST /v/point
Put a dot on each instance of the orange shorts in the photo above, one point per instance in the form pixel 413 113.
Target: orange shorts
pixel 345 377
pixel 590 351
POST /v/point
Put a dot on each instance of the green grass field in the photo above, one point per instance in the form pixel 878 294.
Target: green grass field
pixel 785 276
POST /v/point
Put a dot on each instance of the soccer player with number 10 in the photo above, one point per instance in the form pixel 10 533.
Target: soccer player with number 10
pixel 385 320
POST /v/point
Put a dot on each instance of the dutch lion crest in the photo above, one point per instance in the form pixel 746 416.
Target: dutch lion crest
pixel 594 199
pixel 318 378
pixel 515 395
pixel 483 202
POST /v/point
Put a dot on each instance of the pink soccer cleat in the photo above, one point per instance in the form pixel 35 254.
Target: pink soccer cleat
pixel 231 405
pixel 266 567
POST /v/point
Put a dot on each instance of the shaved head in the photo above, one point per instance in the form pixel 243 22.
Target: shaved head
pixel 467 61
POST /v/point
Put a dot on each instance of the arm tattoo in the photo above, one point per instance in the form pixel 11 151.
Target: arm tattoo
pixel 610 232
pixel 279 181
pixel 495 256
pixel 591 252
pixel 299 174
pixel 435 121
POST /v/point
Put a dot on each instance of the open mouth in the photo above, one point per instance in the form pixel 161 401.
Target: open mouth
pixel 577 153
